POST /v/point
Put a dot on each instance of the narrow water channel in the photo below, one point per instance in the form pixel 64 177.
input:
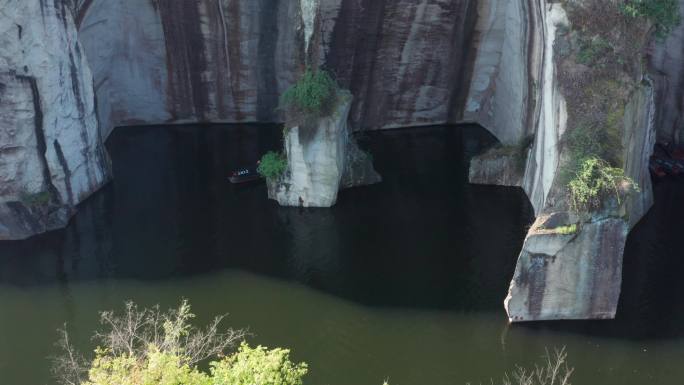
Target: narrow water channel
pixel 402 280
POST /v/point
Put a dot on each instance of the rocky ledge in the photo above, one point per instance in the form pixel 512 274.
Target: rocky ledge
pixel 570 266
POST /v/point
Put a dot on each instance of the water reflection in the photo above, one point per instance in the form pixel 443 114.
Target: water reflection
pixel 421 261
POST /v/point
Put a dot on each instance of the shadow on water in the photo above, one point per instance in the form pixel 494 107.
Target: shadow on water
pixel 423 238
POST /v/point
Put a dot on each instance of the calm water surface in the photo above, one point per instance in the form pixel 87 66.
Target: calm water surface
pixel 403 280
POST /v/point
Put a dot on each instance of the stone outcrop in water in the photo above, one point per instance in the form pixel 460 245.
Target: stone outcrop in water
pixel 562 273
pixel 51 155
pixel 406 62
pixel 579 275
pixel 321 160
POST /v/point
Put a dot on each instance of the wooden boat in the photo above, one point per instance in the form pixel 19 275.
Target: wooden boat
pixel 244 175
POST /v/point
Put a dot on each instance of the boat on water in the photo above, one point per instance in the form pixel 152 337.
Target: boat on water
pixel 244 175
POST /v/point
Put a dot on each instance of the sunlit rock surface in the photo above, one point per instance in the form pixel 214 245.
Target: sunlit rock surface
pixel 578 275
pixel 502 79
pixel 568 276
pixel 322 160
pixel 666 58
pixel 406 63
pixel 51 155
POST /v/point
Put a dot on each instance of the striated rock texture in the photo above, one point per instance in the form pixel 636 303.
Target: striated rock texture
pixel 568 276
pixel 406 62
pixel 579 275
pixel 51 155
pixel 567 272
pixel 499 168
pixel 163 61
pixel 503 78
pixel 322 160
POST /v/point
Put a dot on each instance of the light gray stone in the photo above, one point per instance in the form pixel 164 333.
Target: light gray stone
pixel 51 155
pixel 321 161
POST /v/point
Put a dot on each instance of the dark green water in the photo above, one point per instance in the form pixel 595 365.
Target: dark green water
pixel 402 280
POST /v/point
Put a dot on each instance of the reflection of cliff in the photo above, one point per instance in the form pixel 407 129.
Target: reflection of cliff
pixel 578 275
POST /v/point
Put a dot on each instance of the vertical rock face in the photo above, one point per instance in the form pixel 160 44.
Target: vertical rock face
pixel 406 62
pixel 502 70
pixel 666 68
pixel 639 139
pixel 568 272
pixel 568 276
pixel 322 160
pixel 51 155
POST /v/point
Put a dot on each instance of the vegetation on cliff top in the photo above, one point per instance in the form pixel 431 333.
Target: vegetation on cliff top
pixel 600 66
pixel 312 97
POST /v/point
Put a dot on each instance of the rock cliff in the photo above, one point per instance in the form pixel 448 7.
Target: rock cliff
pixel 322 160
pixel 570 268
pixel 666 60
pixel 51 155
pixel 406 62
pixel 66 65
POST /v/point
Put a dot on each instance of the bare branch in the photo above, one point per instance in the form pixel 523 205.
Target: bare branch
pixel 69 367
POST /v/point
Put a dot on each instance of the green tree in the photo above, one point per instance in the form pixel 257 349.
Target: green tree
pixel 148 347
pixel 664 14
